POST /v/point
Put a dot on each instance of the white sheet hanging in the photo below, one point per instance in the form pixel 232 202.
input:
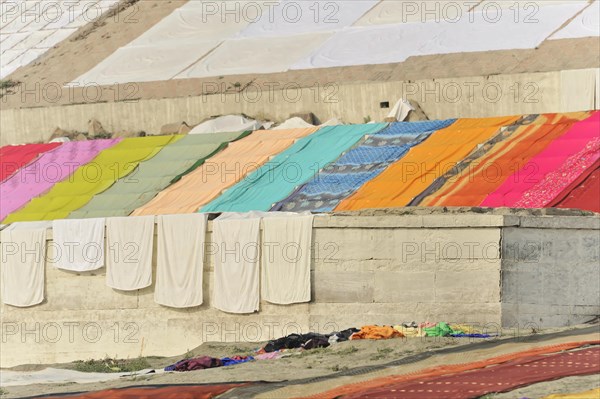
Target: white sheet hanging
pixel 286 258
pixel 23 253
pixel 180 260
pixel 587 24
pixel 129 252
pixel 236 255
pixel 291 17
pixel 157 62
pixel 80 244
pixel 255 55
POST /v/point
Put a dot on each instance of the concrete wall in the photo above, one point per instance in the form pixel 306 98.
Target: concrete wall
pixel 478 96
pixel 367 269
pixel 550 272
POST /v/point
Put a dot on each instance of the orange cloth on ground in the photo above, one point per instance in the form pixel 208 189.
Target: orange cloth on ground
pixel 424 163
pixel 471 186
pixel 377 332
pixel 221 172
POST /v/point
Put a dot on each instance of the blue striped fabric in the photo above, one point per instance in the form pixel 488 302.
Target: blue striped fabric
pixel 358 166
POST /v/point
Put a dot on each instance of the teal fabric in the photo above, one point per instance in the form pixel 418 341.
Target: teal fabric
pixel 154 175
pixel 275 180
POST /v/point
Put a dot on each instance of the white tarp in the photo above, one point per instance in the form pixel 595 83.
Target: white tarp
pixel 407 11
pixel 587 24
pixel 203 20
pixel 29 28
pixel 291 17
pixel 474 32
pixel 255 55
pixel 227 123
pixel 161 61
pixel 293 123
pixel 370 45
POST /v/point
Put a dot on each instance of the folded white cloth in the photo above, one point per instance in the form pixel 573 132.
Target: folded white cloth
pixel 80 244
pixel 129 255
pixel 23 260
pixel 180 260
pixel 286 258
pixel 236 259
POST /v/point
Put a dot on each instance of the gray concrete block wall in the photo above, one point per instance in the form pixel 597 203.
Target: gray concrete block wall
pixel 550 275
pixel 390 269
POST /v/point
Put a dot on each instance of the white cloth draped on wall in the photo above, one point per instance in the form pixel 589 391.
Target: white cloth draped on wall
pixel 129 253
pixel 180 260
pixel 80 243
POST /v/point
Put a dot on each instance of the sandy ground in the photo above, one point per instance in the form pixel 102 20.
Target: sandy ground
pixel 302 365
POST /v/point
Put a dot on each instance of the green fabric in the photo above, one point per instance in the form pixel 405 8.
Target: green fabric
pixel 276 179
pixel 95 177
pixel 154 175
pixel 200 162
pixel 440 330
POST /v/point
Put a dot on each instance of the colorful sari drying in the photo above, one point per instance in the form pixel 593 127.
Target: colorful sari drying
pixel 153 175
pixel 544 176
pixel 49 169
pixel 274 181
pixel 359 165
pixel 90 179
pixel 507 152
pixel 221 172
pixel 14 157
pixel 584 194
pixel 399 184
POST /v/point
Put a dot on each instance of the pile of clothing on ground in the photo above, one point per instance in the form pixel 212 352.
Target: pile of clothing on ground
pixel 276 348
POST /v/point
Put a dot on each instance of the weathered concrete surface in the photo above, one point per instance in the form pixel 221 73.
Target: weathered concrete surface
pixel 367 270
pixel 466 97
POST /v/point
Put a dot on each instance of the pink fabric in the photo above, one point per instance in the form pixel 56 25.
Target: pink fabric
pixel 52 167
pixel 555 182
pixel 534 173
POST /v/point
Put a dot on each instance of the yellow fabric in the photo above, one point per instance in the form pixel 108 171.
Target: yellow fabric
pixel 466 328
pixel 593 394
pixel 221 172
pixel 412 174
pixel 109 166
pixel 410 332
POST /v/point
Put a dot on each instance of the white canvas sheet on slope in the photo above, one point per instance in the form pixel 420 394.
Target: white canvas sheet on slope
pixel 161 61
pixel 292 17
pixel 587 24
pixel 474 32
pixel 480 34
pixel 203 20
pixel 407 11
pixel 366 45
pixel 256 55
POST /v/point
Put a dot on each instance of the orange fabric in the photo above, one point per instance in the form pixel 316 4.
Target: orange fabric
pixel 169 392
pixel 377 332
pixel 424 163
pixel 471 186
pixel 221 172
pixel 442 370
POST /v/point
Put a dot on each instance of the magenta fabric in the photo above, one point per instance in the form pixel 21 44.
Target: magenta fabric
pixel 526 186
pixel 50 168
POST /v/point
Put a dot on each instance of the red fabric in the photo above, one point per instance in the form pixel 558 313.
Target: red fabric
pixel 501 378
pixel 445 370
pixel 171 392
pixel 586 195
pixel 14 157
